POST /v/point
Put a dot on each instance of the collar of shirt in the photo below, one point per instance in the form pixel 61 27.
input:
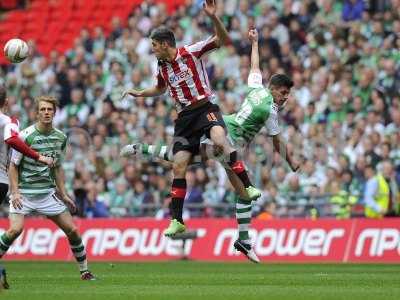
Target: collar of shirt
pixel 177 55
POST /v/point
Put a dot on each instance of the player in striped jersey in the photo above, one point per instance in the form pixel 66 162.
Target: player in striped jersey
pixel 260 109
pixel 38 188
pixel 9 138
pixel 181 71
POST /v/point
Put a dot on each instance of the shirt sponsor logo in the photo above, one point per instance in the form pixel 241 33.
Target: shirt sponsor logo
pixel 176 79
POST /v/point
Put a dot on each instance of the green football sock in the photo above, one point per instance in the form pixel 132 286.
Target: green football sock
pixel 243 218
pixel 5 243
pixel 156 151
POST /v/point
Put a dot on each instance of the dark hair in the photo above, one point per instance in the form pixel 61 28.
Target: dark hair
pixel 163 34
pixel 280 80
pixel 3 95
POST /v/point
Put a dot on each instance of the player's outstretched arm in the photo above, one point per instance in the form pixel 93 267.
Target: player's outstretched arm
pixel 16 198
pixel 12 139
pixel 282 148
pixel 222 36
pixel 255 58
pixel 150 92
pixel 59 178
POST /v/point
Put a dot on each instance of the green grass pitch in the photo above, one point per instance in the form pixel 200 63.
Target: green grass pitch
pixel 197 280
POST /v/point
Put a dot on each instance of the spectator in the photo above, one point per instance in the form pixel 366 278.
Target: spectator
pixel 120 199
pixel 94 207
pixel 352 10
pixel 376 195
pixel 394 190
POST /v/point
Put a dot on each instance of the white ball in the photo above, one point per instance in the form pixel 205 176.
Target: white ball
pixel 16 50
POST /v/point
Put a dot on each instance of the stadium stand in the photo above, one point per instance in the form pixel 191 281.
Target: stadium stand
pixel 55 24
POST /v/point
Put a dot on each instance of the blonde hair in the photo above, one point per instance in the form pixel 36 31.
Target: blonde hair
pixel 49 99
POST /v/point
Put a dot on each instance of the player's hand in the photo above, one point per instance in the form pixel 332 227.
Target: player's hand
pixel 253 35
pixel 69 202
pixel 16 200
pixel 47 160
pixel 131 92
pixel 210 8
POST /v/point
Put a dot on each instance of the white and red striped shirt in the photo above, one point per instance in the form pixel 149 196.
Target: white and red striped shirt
pixel 186 77
pixel 8 127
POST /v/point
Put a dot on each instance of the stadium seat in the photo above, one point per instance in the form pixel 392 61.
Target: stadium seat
pixel 39 5
pixel 16 16
pixel 8 4
pixel 59 22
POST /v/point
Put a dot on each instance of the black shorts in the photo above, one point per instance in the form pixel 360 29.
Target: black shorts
pixel 191 125
pixel 3 192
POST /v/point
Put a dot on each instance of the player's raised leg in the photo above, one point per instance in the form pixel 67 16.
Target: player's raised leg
pixel 218 136
pixel 243 208
pixel 66 223
pixel 160 151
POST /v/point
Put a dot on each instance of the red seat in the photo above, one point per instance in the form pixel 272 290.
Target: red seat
pixel 15 16
pixel 60 16
pixel 8 4
pixel 39 5
pixel 54 25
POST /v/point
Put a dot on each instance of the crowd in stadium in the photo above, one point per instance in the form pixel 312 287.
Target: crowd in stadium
pixel 342 119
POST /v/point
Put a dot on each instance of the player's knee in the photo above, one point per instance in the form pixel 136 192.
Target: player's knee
pixel 217 131
pixel 179 168
pixel 72 233
pixel 221 143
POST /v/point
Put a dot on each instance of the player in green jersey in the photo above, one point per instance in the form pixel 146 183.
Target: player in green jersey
pixel 38 188
pixel 259 109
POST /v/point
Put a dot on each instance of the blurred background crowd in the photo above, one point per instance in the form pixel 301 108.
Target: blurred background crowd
pixel 342 119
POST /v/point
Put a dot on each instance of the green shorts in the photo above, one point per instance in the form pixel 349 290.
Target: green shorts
pixel 236 140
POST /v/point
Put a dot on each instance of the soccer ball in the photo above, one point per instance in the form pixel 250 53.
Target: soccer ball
pixel 16 50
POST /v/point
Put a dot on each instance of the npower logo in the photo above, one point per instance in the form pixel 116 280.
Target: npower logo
pixel 377 242
pixel 351 241
pixel 102 241
pixel 127 242
pixel 37 241
pixel 284 242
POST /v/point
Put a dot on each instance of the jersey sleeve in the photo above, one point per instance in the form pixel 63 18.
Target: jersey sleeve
pixel 17 156
pixel 254 80
pixel 11 129
pixel 272 125
pixel 160 79
pixel 203 47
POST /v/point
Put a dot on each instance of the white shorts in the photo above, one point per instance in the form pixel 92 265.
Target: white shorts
pixel 48 205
